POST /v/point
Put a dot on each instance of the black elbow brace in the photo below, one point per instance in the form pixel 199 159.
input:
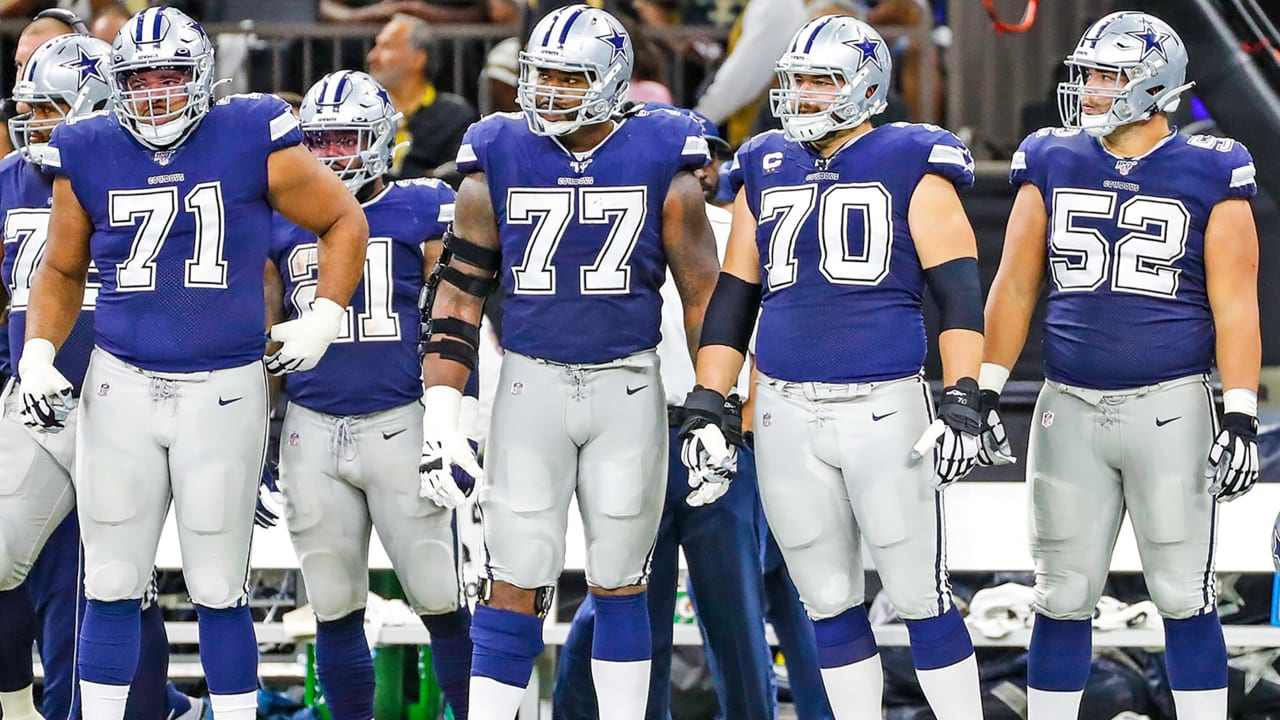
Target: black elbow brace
pixel 957 291
pixel 464 344
pixel 731 314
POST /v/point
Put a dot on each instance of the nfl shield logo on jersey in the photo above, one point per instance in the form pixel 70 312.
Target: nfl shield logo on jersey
pixel 163 157
pixel 1125 166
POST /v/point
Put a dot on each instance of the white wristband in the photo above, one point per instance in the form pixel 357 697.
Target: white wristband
pixel 443 405
pixel 38 350
pixel 1240 400
pixel 992 377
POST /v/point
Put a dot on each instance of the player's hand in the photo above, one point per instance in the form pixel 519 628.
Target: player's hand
pixel 1233 466
pixel 706 450
pixel 270 501
pixel 953 437
pixel 47 396
pixel 993 444
pixel 444 446
pixel 306 338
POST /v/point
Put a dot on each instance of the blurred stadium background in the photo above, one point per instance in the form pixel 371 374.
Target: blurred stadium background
pixel 986 69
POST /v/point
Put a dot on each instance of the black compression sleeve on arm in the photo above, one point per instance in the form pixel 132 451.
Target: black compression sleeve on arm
pixel 731 313
pixel 955 287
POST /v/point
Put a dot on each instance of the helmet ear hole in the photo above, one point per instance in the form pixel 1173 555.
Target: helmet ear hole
pixel 871 91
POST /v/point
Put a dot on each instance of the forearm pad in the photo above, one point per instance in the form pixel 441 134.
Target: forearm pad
pixel 731 314
pixel 958 292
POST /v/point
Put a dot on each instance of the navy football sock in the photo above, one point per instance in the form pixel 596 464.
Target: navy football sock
pixel 451 653
pixel 345 667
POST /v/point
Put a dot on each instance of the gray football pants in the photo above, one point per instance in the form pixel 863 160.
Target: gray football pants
pixel 37 490
pixel 344 476
pixel 196 439
pixel 599 431
pixel 1094 454
pixel 834 468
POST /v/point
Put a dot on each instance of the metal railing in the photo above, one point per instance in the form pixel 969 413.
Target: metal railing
pixel 269 57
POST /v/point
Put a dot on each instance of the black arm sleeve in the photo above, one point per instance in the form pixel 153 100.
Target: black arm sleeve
pixel 731 313
pixel 955 287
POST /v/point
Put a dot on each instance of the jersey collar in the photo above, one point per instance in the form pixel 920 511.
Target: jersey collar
pixel 618 122
pixel 1173 132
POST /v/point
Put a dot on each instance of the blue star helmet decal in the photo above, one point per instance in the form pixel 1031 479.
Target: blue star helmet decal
pixel 1152 41
pixel 616 40
pixel 89 66
pixel 870 49
pixel 384 96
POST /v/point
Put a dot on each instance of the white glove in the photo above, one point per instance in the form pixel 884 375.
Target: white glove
pixel 46 395
pixel 1233 466
pixel 994 447
pixel 306 338
pixel 711 461
pixel 444 444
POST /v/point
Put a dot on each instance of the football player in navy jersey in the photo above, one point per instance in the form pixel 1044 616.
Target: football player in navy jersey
pixel 1149 243
pixel 578 209
pixel 350 460
pixel 171 195
pixel 838 227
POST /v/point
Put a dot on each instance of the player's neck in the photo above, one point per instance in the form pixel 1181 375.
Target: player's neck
pixel 587 137
pixel 833 143
pixel 1137 139
pixel 371 190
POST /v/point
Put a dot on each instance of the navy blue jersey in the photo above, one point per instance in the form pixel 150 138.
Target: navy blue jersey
pixel 180 236
pixel 25 196
pixel 373 365
pixel 843 286
pixel 581 235
pixel 1127 302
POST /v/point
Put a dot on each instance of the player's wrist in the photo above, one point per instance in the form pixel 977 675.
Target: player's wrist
pixel 1240 400
pixel 328 312
pixel 443 408
pixel 993 377
pixel 37 351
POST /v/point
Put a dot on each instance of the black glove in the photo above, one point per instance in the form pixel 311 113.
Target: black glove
pixel 1233 465
pixel 993 445
pixel 956 446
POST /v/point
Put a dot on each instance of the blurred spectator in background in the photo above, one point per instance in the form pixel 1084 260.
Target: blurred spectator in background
pixel 436 11
pixel 499 77
pixel 108 21
pixel 759 40
pixel 434 122
pixel 28 8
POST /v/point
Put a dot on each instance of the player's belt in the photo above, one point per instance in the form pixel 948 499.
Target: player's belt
pixel 831 392
pixel 1099 397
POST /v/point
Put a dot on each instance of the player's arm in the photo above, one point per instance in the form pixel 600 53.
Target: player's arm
pixel 1016 288
pixel 731 315
pixel 313 197
pixel 1231 277
pixel 454 302
pixel 57 290
pixel 948 253
pixel 691 251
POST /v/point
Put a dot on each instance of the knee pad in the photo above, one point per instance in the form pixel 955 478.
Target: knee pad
pixel 113 581
pixel 542 597
pixel 1066 596
pixel 1175 597
pixel 329 587
pixel 430 582
pixel 215 591
pixel 834 594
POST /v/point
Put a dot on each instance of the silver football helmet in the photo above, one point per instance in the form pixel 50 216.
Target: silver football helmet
pixel 349 122
pixel 161 38
pixel 1148 60
pixel 574 39
pixel 65 79
pixel 855 61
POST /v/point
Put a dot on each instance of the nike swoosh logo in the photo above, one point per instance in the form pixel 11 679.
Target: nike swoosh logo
pixel 228 402
pixel 633 391
pixel 1162 423
pixel 389 435
pixel 878 418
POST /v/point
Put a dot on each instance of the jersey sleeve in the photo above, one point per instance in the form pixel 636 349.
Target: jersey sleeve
pixel 473 153
pixel 63 144
pixel 442 215
pixel 1026 167
pixel 737 172
pixel 1240 174
pixel 694 151
pixel 947 156
pixel 282 125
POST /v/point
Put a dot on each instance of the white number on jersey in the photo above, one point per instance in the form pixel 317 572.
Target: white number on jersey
pixel 1141 261
pixel 27 231
pixel 550 210
pixel 377 323
pixel 792 206
pixel 154 211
